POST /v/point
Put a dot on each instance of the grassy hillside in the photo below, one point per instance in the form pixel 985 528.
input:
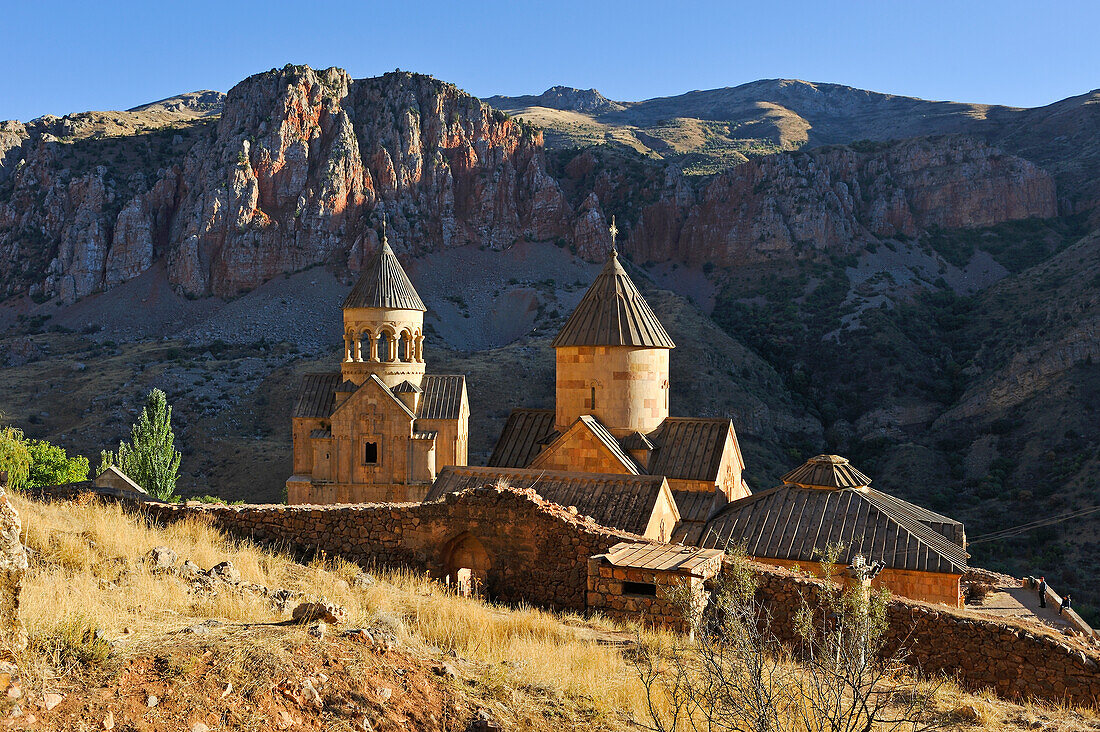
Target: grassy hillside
pixel 116 642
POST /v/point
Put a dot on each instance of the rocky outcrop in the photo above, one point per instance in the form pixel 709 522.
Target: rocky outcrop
pixel 839 200
pixel 13 566
pixel 290 176
pixel 300 163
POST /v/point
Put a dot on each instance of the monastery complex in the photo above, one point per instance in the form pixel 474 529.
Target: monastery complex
pixel 382 430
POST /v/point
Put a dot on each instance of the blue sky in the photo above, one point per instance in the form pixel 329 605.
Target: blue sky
pixel 66 56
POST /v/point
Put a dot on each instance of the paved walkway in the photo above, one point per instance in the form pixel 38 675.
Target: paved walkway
pixel 1020 602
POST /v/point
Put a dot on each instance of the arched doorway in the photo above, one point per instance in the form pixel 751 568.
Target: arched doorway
pixel 466 565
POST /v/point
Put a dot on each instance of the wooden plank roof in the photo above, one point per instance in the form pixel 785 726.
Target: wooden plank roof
pixel 624 502
pixel 613 313
pixel 521 440
pixel 659 557
pixel 443 396
pixel 384 284
pixel 689 448
pixel 795 523
pixel 316 395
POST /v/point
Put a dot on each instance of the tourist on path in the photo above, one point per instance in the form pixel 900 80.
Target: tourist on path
pixel 1042 592
pixel 1066 603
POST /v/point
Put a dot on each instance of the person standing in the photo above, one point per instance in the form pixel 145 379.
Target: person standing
pixel 1042 592
pixel 1066 603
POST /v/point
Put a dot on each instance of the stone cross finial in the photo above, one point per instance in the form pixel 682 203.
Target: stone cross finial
pixel 383 226
pixel 614 233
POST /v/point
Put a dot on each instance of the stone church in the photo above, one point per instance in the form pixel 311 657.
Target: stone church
pixel 380 428
pixel 611 413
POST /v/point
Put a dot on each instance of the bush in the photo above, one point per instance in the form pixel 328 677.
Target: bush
pixel 15 458
pixel 51 465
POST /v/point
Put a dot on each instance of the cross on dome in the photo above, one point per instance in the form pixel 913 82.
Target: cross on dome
pixel 614 233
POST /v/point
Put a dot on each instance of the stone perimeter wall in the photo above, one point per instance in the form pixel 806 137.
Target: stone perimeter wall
pixel 1015 661
pixel 538 553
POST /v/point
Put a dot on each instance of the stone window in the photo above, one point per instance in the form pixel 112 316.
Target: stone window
pixel 593 403
pixel 645 589
pixel 370 452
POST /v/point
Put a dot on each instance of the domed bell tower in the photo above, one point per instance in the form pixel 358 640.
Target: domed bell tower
pixel 384 324
pixel 612 357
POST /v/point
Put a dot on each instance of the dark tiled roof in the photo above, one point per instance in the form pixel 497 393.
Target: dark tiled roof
pixel 443 395
pixel 425 434
pixel 949 528
pixel 407 387
pixel 794 523
pixel 612 444
pixel 520 440
pixel 316 396
pixel 613 313
pixel 321 434
pixel 695 508
pixel 689 448
pixel 624 502
pixel 347 387
pixel 827 471
pixel 636 441
pixel 384 284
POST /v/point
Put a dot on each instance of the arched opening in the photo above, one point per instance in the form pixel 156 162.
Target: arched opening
pixel 351 347
pixel 385 347
pixel 362 346
pixel 405 350
pixel 466 565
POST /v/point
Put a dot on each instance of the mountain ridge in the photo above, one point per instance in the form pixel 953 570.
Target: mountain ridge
pixel 863 297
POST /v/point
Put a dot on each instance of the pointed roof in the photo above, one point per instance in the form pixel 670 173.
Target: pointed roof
pixel 613 313
pixel 384 284
pixel 829 472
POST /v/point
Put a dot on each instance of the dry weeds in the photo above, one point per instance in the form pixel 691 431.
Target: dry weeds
pixel 88 574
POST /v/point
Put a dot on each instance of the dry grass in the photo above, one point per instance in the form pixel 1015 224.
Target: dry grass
pixel 87 573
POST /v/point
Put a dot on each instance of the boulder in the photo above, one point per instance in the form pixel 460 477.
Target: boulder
pixel 226 572
pixel 323 611
pixel 161 558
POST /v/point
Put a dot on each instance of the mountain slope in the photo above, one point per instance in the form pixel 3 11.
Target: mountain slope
pixel 924 305
pixel 705 131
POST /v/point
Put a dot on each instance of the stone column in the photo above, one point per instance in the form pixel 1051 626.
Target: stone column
pixel 13 567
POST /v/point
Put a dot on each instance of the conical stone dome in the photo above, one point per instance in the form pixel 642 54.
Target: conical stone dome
pixel 828 472
pixel 613 313
pixel 383 284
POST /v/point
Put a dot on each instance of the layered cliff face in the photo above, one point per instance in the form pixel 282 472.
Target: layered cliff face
pixel 288 177
pixel 300 163
pixel 840 200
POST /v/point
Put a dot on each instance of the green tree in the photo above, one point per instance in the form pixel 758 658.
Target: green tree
pixel 150 458
pixel 51 465
pixel 15 458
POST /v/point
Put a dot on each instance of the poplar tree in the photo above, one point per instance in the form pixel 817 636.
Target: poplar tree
pixel 150 458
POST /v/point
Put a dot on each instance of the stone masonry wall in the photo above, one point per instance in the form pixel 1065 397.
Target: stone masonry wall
pixel 537 551
pixel 1015 660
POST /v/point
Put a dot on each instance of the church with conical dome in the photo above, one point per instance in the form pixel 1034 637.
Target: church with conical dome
pixel 380 427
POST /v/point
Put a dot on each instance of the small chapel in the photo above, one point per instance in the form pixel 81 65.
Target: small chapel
pixel 380 428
